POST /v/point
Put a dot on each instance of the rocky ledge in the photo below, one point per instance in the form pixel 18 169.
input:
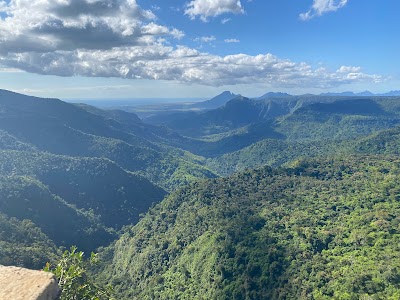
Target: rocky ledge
pixel 23 284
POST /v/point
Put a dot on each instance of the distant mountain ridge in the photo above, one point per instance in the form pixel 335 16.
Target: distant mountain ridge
pixel 363 94
pixel 217 101
pixel 394 93
pixel 274 95
pixel 237 112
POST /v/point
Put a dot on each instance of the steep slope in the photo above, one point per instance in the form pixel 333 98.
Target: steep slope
pixel 274 95
pixel 8 141
pixel 24 244
pixel 215 102
pixel 117 197
pixel 238 112
pixel 343 119
pixel 54 126
pixel 319 230
pixel 382 142
pixel 24 197
pixel 275 153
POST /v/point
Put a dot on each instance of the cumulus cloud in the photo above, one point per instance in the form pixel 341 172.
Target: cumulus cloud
pixel 232 41
pixel 321 7
pixel 117 38
pixel 55 25
pixel 3 6
pixel 212 8
pixel 205 39
pixel 349 69
pixel 183 64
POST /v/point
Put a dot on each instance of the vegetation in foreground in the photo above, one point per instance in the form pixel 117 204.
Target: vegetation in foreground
pixel 74 281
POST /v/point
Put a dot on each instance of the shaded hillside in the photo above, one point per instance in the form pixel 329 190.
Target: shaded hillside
pixel 24 197
pixel 22 243
pixel 349 107
pixel 8 141
pixel 275 153
pixel 242 122
pixel 382 142
pixel 61 128
pixel 345 119
pixel 74 201
pixel 88 183
pixel 215 102
pixel 274 95
pixel 319 230
pixel 236 113
pixel 234 140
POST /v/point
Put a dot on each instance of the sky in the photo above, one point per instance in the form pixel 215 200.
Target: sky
pixel 117 49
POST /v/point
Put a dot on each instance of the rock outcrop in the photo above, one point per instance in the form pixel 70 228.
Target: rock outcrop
pixel 23 284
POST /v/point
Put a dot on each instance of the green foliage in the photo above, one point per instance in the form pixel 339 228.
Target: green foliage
pixel 24 244
pixel 326 228
pixel 73 279
pixel 24 197
pixel 50 125
pixel 322 229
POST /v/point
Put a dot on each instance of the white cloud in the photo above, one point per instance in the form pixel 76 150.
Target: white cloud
pixel 321 7
pixel 225 20
pixel 205 39
pixel 51 25
pixel 348 69
pixel 9 70
pixel 177 34
pixel 212 8
pixel 184 64
pixel 117 38
pixel 232 41
pixel 3 6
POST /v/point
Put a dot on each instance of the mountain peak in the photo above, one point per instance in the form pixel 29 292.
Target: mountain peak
pixel 217 101
pixel 274 95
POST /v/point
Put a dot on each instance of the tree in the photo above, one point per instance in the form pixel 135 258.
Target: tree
pixel 73 279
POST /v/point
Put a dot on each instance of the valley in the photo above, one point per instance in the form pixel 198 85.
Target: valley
pixel 264 198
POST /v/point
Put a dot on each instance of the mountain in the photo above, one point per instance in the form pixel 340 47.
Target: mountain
pixel 343 119
pixel 98 184
pixel 270 95
pixel 238 112
pixel 217 101
pixel 347 107
pixel 314 130
pixel 61 128
pixel 76 174
pixel 274 153
pixel 242 122
pixel 79 174
pixel 363 94
pixel 23 244
pixel 392 94
pixel 321 229
pixel 88 196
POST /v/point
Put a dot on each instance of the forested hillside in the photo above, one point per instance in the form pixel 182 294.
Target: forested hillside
pixel 24 244
pixel 54 126
pixel 78 174
pixel 318 230
pixel 280 197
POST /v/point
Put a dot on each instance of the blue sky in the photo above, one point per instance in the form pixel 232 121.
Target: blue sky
pixel 197 48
